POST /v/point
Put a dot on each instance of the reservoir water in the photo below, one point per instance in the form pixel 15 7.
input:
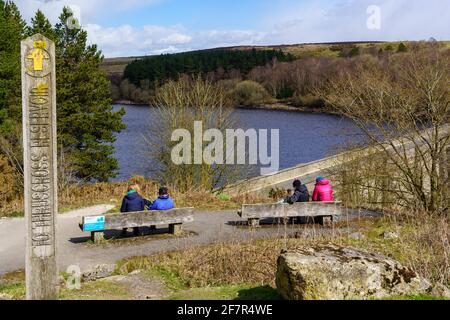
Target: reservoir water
pixel 304 137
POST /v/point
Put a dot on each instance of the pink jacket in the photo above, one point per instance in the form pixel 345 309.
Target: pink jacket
pixel 323 191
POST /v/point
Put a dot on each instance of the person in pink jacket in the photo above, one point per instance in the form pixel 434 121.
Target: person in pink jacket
pixel 323 192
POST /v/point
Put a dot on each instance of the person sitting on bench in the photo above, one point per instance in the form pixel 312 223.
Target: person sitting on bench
pixel 164 201
pixel 301 193
pixel 323 192
pixel 133 202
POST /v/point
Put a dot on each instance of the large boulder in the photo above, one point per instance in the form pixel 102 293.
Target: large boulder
pixel 330 272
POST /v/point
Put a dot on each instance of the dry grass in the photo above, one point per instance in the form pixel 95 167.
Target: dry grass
pixel 221 264
pixel 77 196
pixel 422 245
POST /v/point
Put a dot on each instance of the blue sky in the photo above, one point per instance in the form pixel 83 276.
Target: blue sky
pixel 141 27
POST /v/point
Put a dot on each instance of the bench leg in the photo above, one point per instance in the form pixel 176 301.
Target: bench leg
pixel 325 221
pixel 175 228
pixel 253 222
pixel 97 236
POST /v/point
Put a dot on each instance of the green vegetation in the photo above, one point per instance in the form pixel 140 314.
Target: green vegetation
pixel 237 270
pixel 12 29
pixel 250 93
pixel 416 297
pixel 158 69
pixel 290 77
pixel 246 270
pixel 86 122
pixel 237 292
pixel 97 290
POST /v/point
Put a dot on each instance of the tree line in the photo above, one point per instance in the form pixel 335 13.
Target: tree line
pixel 157 69
pixel 251 77
pixel 86 121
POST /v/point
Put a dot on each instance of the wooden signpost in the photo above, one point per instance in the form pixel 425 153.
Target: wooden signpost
pixel 40 174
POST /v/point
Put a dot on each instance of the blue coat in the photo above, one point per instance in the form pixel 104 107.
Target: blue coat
pixel 133 202
pixel 163 203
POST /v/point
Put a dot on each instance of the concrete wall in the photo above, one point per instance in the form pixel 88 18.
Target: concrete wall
pixel 308 172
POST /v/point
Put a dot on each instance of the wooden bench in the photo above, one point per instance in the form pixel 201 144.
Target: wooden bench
pixel 321 211
pixel 98 224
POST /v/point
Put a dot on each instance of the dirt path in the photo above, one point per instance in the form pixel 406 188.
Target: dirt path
pixel 208 227
pixel 141 287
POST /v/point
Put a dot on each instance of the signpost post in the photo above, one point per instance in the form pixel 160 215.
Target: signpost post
pixel 40 170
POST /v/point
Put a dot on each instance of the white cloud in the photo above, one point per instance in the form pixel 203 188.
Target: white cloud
pixel 170 49
pixel 152 39
pixel 176 38
pixel 298 22
pixel 126 40
pixel 90 9
pixel 342 20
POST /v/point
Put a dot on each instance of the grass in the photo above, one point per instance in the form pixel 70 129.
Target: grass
pixel 232 292
pixel 12 286
pixel 415 297
pixel 14 291
pixel 96 290
pixel 246 270
pixel 144 237
pixel 181 290
pixel 253 264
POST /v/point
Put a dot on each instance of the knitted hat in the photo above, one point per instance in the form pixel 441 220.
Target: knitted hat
pixel 297 183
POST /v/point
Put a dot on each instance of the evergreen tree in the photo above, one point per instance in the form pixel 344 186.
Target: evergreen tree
pixel 40 24
pixel 158 69
pixel 354 52
pixel 12 31
pixel 86 120
pixel 402 48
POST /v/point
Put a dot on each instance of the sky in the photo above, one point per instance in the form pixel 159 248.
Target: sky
pixel 147 27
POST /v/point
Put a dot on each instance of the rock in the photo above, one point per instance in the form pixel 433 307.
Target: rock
pixel 441 291
pixel 330 272
pixel 99 272
pixel 118 278
pixel 390 235
pixel 357 236
pixel 138 271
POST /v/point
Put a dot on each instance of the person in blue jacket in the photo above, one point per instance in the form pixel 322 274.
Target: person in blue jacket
pixel 164 201
pixel 134 202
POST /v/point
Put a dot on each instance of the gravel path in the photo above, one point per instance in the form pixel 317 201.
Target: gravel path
pixel 208 227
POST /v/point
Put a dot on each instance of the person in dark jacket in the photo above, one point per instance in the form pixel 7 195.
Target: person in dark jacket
pixel 133 202
pixel 301 193
pixel 164 201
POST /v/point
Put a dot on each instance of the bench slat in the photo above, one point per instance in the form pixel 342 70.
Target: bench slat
pixel 147 218
pixel 300 209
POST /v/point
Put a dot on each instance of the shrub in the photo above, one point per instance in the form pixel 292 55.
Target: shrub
pixel 7 178
pixel 248 93
pixel 309 101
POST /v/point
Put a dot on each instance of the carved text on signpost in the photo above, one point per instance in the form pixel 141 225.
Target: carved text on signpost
pixel 39 135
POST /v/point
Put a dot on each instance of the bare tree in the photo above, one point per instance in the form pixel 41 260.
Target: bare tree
pixel 179 104
pixel 403 107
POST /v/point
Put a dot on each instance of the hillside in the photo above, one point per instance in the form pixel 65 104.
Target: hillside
pixel 116 66
pixel 249 73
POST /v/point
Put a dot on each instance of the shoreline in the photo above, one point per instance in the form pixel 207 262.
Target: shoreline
pixel 269 107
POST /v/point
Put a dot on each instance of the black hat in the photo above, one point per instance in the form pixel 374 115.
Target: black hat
pixel 297 183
